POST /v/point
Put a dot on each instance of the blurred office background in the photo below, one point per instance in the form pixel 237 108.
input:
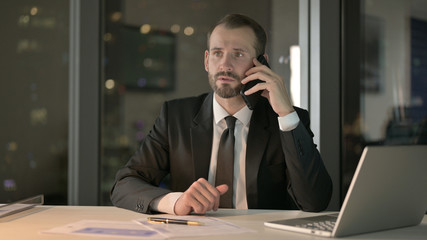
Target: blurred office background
pixel 82 81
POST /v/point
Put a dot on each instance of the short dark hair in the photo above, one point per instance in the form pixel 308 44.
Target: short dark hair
pixel 231 21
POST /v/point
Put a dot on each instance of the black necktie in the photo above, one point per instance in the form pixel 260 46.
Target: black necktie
pixel 225 163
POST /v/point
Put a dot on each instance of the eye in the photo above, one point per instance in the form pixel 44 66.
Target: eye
pixel 217 53
pixel 238 54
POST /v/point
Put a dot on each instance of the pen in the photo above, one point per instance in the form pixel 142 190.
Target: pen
pixel 174 221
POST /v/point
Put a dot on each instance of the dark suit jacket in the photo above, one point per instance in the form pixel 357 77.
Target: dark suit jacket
pixel 284 170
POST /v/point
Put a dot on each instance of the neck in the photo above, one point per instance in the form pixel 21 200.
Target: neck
pixel 231 105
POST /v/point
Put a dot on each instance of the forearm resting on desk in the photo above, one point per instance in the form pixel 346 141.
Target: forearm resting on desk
pixel 166 203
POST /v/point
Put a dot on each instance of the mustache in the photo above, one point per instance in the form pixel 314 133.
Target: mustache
pixel 227 74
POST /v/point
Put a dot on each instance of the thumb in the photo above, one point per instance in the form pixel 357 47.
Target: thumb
pixel 222 188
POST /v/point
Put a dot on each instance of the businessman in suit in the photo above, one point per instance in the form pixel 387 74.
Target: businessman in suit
pixel 276 164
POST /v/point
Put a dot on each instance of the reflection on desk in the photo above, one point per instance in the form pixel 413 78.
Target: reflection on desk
pixel 31 223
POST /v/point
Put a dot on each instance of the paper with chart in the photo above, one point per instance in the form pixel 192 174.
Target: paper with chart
pixel 110 229
pixel 142 229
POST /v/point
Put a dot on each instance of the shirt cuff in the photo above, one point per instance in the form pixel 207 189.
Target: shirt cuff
pixel 289 122
pixel 166 203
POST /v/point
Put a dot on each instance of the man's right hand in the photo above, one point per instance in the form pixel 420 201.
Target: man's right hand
pixel 200 197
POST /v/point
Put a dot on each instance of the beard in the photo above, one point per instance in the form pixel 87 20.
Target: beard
pixel 225 90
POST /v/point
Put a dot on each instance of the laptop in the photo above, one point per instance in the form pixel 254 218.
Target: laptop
pixel 21 205
pixel 388 190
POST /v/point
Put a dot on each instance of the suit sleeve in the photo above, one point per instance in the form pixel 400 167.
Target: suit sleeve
pixel 136 185
pixel 309 182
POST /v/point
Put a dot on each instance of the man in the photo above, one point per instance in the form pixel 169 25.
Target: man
pixel 276 163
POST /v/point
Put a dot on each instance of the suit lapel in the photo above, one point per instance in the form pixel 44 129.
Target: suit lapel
pixel 202 145
pixel 256 144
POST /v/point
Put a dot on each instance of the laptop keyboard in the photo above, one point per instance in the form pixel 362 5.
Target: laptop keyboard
pixel 321 225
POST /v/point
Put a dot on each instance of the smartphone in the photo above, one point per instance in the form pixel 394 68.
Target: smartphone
pixel 252 99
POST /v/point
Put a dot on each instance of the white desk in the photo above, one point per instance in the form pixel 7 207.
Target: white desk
pixel 29 224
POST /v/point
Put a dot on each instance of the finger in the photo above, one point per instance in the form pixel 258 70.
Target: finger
pixel 215 194
pixel 212 193
pixel 260 72
pixel 205 194
pixel 221 189
pixel 194 201
pixel 258 67
pixel 250 77
pixel 203 197
pixel 256 62
pixel 207 189
pixel 182 206
pixel 261 86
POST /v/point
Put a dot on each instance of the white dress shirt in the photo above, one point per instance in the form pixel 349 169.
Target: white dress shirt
pixel 289 122
pixel 240 135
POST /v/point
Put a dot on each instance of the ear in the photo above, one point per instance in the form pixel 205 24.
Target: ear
pixel 207 61
pixel 266 57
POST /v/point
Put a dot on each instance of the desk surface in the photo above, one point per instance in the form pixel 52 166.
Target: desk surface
pixel 29 224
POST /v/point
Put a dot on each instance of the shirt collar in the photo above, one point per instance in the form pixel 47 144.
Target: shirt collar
pixel 243 115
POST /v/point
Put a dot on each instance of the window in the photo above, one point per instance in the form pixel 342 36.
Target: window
pixel 388 105
pixel 34 100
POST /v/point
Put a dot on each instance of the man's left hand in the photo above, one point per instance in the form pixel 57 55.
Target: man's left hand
pixel 273 87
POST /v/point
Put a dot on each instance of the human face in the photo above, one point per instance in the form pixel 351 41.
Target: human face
pixel 229 56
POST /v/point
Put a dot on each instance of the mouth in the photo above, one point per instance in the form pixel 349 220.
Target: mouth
pixel 225 79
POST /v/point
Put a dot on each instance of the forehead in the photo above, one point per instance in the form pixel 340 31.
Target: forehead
pixel 234 38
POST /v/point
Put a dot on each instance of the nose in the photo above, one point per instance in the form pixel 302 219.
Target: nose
pixel 226 64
